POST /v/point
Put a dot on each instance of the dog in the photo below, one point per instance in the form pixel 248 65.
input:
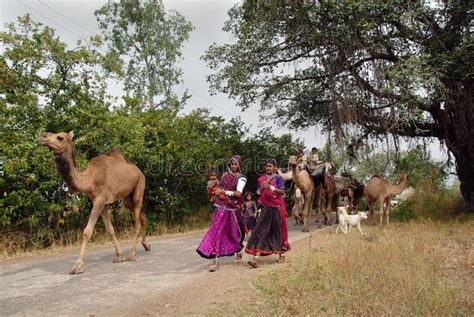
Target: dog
pixel 350 221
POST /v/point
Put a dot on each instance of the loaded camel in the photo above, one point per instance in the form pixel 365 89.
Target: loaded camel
pixel 305 184
pixel 347 186
pixel 297 210
pixel 107 178
pixel 325 190
pixel 379 189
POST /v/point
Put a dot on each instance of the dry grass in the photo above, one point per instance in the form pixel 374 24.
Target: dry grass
pixel 419 268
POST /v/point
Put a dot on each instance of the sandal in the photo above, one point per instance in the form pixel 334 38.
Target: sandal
pixel 238 258
pixel 215 266
pixel 282 258
pixel 254 263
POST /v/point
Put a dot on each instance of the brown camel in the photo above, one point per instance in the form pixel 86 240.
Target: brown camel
pixel 347 186
pixel 305 184
pixel 106 179
pixel 379 189
pixel 325 191
pixel 297 210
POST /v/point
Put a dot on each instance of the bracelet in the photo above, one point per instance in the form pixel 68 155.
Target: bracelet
pixel 229 193
pixel 272 188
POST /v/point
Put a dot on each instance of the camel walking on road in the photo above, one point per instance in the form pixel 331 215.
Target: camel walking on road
pixel 107 178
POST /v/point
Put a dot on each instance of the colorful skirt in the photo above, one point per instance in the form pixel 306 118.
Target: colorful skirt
pixel 267 237
pixel 223 237
pixel 250 222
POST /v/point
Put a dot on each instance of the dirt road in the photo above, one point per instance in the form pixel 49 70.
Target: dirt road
pixel 170 280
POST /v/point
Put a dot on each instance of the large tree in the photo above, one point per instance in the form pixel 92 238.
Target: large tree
pixel 147 40
pixel 360 68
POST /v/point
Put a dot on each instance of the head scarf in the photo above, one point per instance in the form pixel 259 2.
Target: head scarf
pixel 238 160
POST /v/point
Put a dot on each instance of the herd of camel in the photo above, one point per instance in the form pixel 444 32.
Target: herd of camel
pixel 325 186
pixel 112 177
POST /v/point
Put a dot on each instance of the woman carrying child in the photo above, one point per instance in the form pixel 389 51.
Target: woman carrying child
pixel 225 235
pixel 270 235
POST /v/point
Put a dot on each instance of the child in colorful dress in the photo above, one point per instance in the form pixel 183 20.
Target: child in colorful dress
pixel 212 186
pixel 250 215
pixel 270 235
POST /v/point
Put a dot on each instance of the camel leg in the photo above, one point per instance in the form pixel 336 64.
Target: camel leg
pixel 371 211
pixel 382 209
pixel 319 210
pixel 128 201
pixel 307 210
pixel 329 209
pixel 144 222
pixel 110 230
pixel 387 215
pixel 137 206
pixel 97 207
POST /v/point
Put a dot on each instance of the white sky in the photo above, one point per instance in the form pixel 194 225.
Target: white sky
pixel 75 19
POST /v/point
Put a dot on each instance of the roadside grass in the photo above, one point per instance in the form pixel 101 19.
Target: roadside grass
pixel 406 269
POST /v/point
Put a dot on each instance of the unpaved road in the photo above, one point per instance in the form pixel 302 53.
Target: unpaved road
pixel 171 279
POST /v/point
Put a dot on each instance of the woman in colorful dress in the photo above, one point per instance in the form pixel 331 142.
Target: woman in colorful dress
pixel 270 235
pixel 225 235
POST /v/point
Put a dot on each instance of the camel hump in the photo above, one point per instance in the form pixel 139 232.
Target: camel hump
pixel 118 154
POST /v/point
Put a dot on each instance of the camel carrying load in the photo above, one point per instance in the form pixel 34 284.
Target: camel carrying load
pixel 107 178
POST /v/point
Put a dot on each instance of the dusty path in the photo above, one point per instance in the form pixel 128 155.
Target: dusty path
pixel 170 280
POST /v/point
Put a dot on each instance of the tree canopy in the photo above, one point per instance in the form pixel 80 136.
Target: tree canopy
pixel 360 69
pixel 147 41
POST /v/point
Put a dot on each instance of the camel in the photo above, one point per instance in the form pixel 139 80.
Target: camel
pixel 349 188
pixel 305 184
pixel 297 210
pixel 107 178
pixel 325 191
pixel 379 189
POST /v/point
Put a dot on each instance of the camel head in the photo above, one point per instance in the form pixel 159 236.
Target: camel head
pixel 292 160
pixel 59 143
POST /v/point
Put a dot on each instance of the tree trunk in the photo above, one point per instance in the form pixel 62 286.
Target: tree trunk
pixel 465 170
pixel 459 138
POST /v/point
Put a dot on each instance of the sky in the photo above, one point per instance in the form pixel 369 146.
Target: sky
pixel 74 20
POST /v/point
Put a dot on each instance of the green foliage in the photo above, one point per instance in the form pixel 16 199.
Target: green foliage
pixel 48 87
pixel 147 41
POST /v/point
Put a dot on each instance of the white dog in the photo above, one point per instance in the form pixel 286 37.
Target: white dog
pixel 350 221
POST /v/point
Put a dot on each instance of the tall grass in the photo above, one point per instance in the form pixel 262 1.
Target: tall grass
pixel 430 202
pixel 413 269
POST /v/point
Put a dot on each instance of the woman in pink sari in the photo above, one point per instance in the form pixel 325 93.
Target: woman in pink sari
pixel 225 235
pixel 270 235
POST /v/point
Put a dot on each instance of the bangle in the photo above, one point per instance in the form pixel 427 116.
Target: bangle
pixel 229 193
pixel 272 188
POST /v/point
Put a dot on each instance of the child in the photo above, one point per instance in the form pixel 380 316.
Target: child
pixel 212 186
pixel 250 213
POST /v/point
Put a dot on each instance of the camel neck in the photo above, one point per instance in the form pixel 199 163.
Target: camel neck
pixel 66 166
pixel 397 189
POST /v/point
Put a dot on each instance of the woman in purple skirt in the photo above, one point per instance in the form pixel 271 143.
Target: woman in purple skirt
pixel 225 235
